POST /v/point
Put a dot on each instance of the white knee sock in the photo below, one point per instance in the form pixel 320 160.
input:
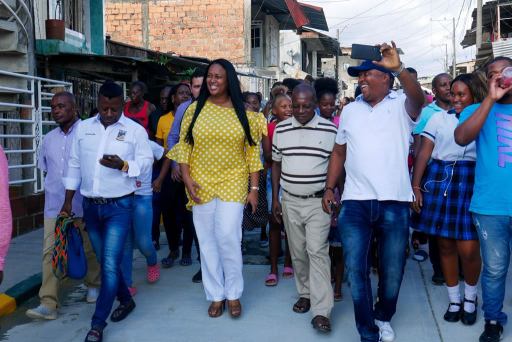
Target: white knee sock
pixel 469 294
pixel 454 294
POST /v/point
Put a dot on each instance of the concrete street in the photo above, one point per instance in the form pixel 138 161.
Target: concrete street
pixel 175 309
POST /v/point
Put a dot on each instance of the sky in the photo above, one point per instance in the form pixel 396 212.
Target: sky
pixel 419 27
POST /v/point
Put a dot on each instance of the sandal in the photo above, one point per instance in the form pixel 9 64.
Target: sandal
pixel 302 306
pixel 169 261
pixel 216 310
pixel 235 310
pixel 321 323
pixel 153 273
pixel 289 271
pixel 94 335
pixel 338 297
pixel 186 260
pixel 271 277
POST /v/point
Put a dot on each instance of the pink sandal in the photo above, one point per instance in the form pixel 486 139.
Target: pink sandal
pixel 153 273
pixel 270 277
pixel 288 270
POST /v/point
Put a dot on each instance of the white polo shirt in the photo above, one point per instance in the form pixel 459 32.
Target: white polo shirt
pixel 377 142
pixel 440 130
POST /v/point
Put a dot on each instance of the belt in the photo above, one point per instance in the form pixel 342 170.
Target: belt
pixel 101 200
pixel 318 194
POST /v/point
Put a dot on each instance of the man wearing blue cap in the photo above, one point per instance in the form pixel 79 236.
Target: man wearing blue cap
pixel 372 145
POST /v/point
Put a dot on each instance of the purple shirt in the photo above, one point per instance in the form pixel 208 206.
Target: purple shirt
pixel 174 136
pixel 54 161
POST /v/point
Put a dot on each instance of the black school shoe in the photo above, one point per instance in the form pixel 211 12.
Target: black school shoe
pixel 453 316
pixel 467 317
pixel 493 332
pixel 438 278
pixel 122 311
pixel 198 277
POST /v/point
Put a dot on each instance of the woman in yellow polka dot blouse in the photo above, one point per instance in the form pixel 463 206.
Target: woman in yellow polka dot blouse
pixel 219 147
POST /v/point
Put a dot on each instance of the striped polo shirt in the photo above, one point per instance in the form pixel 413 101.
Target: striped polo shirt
pixel 304 152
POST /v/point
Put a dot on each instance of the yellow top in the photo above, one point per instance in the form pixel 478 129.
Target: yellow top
pixel 221 158
pixel 164 127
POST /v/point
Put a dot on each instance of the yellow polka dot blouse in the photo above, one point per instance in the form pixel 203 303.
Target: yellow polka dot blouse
pixel 221 158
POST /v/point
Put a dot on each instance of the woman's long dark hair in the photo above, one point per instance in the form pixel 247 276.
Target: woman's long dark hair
pixel 475 84
pixel 173 92
pixel 234 92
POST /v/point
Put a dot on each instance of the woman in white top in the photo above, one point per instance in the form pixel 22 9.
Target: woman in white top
pixel 443 191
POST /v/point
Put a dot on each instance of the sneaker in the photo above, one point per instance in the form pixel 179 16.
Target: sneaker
pixel 92 294
pixel 493 332
pixel 263 243
pixel 386 333
pixel 157 245
pixel 41 312
pixel 438 278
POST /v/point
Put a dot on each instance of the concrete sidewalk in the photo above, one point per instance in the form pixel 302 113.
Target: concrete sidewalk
pixel 175 309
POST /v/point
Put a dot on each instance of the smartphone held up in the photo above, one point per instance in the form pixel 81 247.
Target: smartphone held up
pixel 366 52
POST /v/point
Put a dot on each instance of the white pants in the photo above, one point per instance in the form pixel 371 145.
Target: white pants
pixel 219 231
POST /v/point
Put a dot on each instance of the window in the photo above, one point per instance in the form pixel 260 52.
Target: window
pixel 255 35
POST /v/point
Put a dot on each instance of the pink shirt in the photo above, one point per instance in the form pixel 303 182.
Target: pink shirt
pixel 5 209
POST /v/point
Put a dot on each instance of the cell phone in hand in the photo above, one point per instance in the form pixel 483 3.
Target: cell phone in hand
pixel 108 156
pixel 367 52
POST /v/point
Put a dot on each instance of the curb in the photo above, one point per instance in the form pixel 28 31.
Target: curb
pixel 20 293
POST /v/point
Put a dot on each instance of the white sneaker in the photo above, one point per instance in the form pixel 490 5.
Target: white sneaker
pixel 41 312
pixel 92 294
pixel 386 333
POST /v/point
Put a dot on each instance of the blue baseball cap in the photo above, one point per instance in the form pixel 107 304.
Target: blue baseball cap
pixel 353 71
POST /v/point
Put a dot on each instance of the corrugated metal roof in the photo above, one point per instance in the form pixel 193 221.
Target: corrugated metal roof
pixel 502 48
pixel 315 16
pixel 297 13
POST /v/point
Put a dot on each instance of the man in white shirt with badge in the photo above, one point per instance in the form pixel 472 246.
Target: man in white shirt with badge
pixel 372 145
pixel 108 153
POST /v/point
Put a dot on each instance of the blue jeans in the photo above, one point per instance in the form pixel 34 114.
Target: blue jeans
pixel 359 223
pixel 108 226
pixel 157 207
pixel 140 233
pixel 494 233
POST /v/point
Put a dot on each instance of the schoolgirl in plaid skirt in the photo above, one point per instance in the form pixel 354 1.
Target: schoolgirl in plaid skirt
pixel 443 190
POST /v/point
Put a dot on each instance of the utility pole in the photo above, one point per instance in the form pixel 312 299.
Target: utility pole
pixel 337 56
pixel 446 59
pixel 478 25
pixel 454 52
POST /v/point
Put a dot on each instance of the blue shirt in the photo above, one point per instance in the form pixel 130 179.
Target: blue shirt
pixel 492 193
pixel 426 114
pixel 174 135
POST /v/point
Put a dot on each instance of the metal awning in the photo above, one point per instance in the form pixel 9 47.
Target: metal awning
pixel 292 15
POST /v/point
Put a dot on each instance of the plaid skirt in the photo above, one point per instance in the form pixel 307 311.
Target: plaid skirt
pixel 445 210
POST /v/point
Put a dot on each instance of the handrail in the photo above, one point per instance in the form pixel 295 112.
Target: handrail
pixel 8 73
pixel 15 16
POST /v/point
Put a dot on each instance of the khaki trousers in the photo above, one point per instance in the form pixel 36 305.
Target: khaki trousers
pixel 49 291
pixel 307 227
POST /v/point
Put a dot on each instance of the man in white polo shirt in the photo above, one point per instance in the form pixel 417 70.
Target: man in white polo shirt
pixel 373 146
pixel 301 148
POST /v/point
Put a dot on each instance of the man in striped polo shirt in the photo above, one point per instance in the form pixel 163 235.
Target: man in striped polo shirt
pixel 301 150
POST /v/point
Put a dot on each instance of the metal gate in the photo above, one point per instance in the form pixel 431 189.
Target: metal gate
pixel 28 111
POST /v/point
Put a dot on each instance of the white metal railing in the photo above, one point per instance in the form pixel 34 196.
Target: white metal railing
pixel 39 104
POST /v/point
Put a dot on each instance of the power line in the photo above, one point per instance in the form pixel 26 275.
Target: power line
pixel 359 14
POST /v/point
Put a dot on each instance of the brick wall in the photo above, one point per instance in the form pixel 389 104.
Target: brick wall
pixel 27 213
pixel 204 28
pixel 124 22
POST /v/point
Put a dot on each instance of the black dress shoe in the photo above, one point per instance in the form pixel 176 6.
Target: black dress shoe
pixel 122 311
pixel 198 277
pixel 438 278
pixel 469 318
pixel 453 316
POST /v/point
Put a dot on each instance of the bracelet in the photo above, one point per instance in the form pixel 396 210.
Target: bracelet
pixel 125 166
pixel 416 187
pixel 399 71
pixel 332 189
pixel 257 188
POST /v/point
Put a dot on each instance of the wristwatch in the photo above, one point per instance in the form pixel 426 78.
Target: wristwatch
pixel 125 166
pixel 257 188
pixel 399 71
